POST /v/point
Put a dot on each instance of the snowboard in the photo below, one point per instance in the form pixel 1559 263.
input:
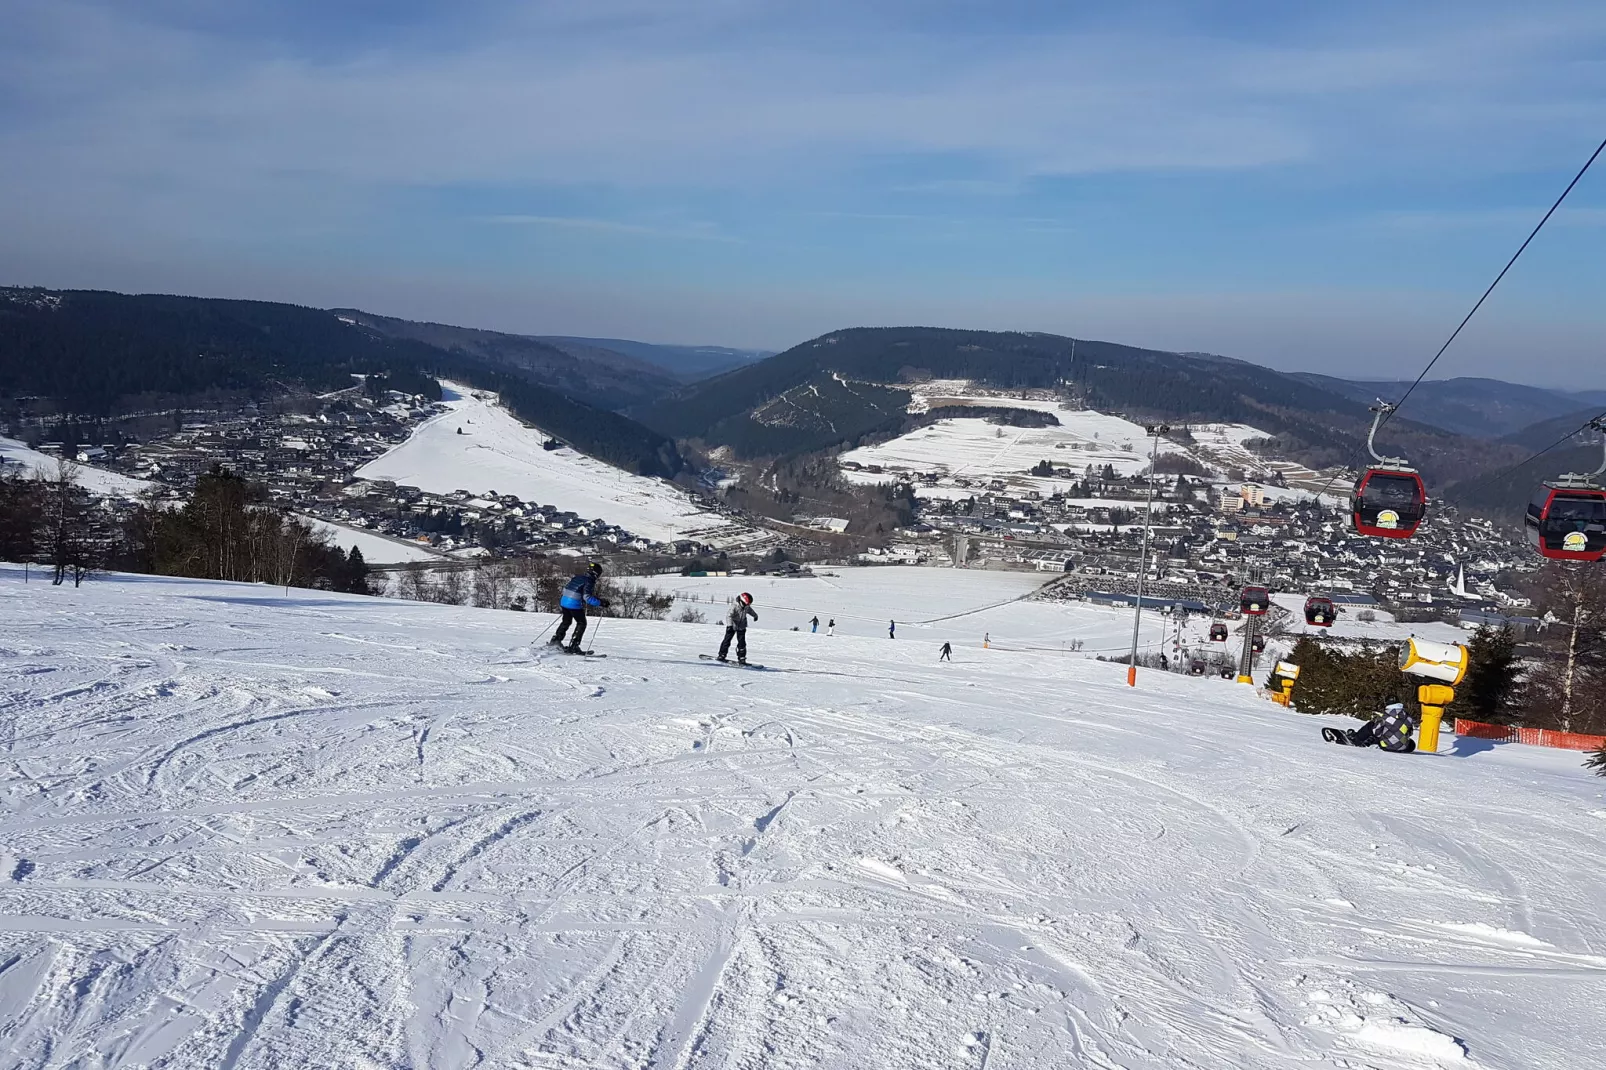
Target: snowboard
pixel 739 665
pixel 1337 735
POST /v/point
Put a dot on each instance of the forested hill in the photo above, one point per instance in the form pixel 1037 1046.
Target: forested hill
pixel 1503 491
pixel 101 354
pixel 605 378
pixel 827 397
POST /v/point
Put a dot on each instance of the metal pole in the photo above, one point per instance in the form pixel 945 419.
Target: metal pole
pixel 1143 558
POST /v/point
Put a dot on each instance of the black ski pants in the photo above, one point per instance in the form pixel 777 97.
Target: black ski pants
pixel 577 617
pixel 740 635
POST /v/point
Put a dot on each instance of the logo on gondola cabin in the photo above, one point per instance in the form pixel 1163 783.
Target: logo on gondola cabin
pixel 1575 541
pixel 1388 518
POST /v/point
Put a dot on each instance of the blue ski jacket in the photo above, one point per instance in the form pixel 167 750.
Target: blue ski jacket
pixel 580 591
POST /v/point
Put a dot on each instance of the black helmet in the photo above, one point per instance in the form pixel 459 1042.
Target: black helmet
pixel 596 568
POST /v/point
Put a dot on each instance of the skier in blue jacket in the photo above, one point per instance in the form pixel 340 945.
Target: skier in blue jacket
pixel 580 592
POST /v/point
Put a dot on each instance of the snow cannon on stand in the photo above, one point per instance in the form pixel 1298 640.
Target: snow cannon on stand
pixel 1288 672
pixel 1445 663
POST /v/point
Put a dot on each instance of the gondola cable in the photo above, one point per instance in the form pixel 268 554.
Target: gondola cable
pixel 1389 410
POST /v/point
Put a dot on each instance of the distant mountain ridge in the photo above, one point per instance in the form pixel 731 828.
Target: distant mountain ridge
pixel 841 387
pixel 100 354
pixel 605 377
pixel 1483 408
pixel 687 363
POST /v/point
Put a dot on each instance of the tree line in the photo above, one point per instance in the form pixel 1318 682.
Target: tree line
pixel 226 531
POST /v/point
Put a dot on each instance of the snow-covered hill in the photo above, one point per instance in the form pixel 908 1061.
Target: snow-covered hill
pixel 376 549
pixel 496 452
pixel 241 830
pixel 34 464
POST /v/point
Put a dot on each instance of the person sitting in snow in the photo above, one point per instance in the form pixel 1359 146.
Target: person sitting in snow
pixel 1390 730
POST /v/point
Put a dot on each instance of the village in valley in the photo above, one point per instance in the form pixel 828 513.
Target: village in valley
pixel 1067 496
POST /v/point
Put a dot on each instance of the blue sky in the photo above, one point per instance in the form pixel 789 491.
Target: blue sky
pixel 1322 186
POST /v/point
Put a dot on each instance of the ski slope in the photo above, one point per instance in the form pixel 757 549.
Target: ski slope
pixel 496 452
pixel 964 607
pixel 376 549
pixel 245 830
pixel 974 448
pixel 33 464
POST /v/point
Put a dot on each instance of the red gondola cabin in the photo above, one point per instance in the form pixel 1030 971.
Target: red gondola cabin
pixel 1388 503
pixel 1218 633
pixel 1258 644
pixel 1567 523
pixel 1255 601
pixel 1319 612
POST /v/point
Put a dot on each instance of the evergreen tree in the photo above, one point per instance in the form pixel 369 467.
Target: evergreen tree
pixel 356 573
pixel 1493 688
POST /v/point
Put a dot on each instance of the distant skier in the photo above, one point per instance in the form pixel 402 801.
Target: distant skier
pixel 830 629
pixel 1391 730
pixel 814 625
pixel 892 629
pixel 579 592
pixel 986 640
pixel 736 627
pixel 947 652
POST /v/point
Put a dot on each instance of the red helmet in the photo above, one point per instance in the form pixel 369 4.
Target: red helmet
pixel 746 598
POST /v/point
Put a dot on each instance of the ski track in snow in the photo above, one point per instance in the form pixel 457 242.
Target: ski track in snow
pixel 244 830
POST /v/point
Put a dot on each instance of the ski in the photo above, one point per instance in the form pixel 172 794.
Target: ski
pixel 738 664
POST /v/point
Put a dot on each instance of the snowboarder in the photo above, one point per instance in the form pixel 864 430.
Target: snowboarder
pixel 1391 730
pixel 947 652
pixel 830 629
pixel 986 640
pixel 892 629
pixel 579 592
pixel 814 625
pixel 736 627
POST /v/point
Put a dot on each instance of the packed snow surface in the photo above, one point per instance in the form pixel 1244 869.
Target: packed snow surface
pixel 33 464
pixel 248 830
pixel 496 452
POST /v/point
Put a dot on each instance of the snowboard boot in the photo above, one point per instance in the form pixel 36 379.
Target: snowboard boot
pixel 722 657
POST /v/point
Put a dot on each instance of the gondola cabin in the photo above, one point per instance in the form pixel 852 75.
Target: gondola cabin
pixel 1258 644
pixel 1388 503
pixel 1319 612
pixel 1218 633
pixel 1566 518
pixel 1255 601
pixel 1197 667
pixel 1567 523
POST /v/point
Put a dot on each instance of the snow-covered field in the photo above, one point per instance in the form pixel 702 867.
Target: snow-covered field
pixel 931 606
pixel 95 480
pixel 969 449
pixel 245 830
pixel 376 549
pixel 976 449
pixel 496 452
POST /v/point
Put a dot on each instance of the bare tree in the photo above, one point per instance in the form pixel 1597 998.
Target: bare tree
pixel 493 584
pixel 451 589
pixel 1569 691
pixel 66 523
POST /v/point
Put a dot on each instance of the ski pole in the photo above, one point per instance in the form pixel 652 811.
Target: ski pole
pixel 543 631
pixel 594 631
